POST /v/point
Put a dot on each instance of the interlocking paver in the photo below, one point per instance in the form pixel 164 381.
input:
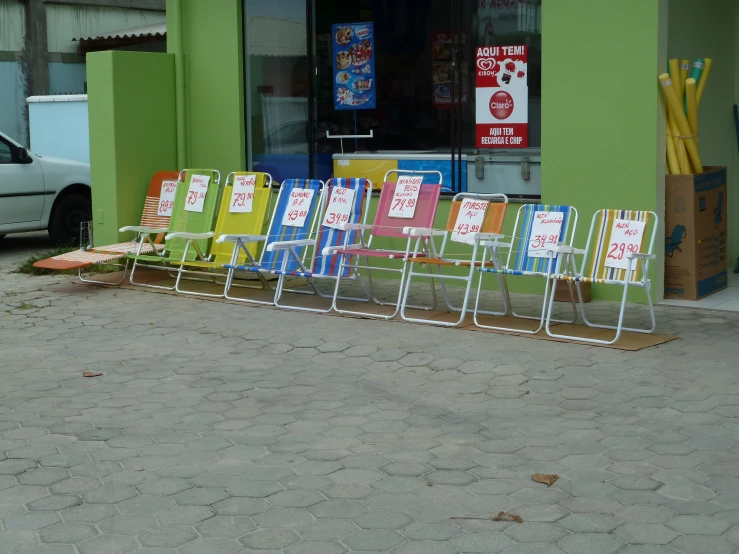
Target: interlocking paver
pixel 375 442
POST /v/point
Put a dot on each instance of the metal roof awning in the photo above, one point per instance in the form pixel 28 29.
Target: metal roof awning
pixel 269 36
pixel 126 37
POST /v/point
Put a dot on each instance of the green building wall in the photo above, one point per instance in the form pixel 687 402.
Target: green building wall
pixel 602 123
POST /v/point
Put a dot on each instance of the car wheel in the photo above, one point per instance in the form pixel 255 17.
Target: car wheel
pixel 68 213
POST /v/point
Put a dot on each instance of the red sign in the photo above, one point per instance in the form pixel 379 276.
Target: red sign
pixel 502 93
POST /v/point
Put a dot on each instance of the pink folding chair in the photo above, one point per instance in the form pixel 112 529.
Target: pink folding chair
pixel 388 225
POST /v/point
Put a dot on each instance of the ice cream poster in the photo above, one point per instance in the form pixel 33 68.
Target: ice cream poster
pixel 502 97
pixel 353 54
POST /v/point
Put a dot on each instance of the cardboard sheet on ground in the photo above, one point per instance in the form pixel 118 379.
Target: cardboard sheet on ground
pixel 628 341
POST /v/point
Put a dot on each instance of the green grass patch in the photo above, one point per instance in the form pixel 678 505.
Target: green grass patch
pixel 26 266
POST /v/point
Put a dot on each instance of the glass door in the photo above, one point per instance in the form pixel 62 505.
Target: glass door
pixel 277 75
pixel 512 170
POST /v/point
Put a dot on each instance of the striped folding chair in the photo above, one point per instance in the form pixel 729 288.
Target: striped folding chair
pixel 195 204
pixel 347 201
pixel 396 215
pixel 473 219
pixel 538 227
pixel 149 234
pixel 244 208
pixel 292 220
pixel 616 254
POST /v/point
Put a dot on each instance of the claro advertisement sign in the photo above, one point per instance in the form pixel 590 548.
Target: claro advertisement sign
pixel 502 95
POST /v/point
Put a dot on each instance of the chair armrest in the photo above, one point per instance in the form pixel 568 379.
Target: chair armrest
pixel 190 236
pixel 244 238
pixel 565 249
pixel 422 232
pixel 140 229
pixel 641 256
pixel 331 250
pixel 495 244
pixel 356 226
pixel 285 244
pixel 487 236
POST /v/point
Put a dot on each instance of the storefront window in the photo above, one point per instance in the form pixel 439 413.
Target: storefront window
pixel 424 52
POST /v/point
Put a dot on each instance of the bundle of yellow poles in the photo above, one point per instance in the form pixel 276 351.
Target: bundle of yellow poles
pixel 683 96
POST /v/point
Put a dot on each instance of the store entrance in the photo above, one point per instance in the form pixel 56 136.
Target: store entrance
pixel 423 82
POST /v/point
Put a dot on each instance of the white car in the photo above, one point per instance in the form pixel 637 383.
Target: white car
pixel 38 193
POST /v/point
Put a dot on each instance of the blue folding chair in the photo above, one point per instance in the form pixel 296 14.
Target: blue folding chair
pixel 529 255
pixel 308 193
pixel 324 264
pixel 673 242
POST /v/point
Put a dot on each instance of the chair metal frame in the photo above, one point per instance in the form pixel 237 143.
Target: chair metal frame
pixel 521 234
pixel 636 275
pixel 256 264
pixel 348 259
pixel 480 238
pixel 164 253
pixel 303 268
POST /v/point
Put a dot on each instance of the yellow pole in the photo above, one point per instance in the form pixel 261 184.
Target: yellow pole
pixel 679 145
pixel 678 83
pixel 708 62
pixel 682 122
pixel 684 69
pixel 673 167
pixel 690 92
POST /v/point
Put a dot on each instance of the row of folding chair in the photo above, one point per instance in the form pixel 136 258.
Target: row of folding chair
pixel 318 232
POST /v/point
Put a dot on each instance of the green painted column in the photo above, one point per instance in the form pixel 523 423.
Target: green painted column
pixel 602 128
pixel 132 134
pixel 213 81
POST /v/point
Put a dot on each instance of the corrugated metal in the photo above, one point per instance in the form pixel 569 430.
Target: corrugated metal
pixel 158 30
pixel 270 36
pixel 68 22
pixel 12 24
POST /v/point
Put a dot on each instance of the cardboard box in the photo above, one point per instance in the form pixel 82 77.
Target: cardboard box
pixel 562 293
pixel 696 265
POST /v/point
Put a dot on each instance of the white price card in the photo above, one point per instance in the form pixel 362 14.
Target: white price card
pixel 626 238
pixel 405 199
pixel 339 208
pixel 469 220
pixel 545 232
pixel 298 207
pixel 242 195
pixel 196 193
pixel 166 198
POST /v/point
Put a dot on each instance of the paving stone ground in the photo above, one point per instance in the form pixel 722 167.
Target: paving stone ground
pixel 230 429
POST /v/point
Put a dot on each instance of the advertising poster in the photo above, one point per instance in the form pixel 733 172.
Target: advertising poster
pixel 354 66
pixel 441 67
pixel 502 95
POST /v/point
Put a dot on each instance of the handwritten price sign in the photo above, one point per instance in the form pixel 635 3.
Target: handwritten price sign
pixel 242 195
pixel 339 209
pixel 405 199
pixel 545 232
pixel 626 238
pixel 469 220
pixel 196 193
pixel 298 208
pixel 166 198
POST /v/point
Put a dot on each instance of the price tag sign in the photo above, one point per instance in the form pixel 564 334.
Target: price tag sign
pixel 626 238
pixel 469 220
pixel 196 193
pixel 339 209
pixel 405 198
pixel 545 233
pixel 242 195
pixel 298 207
pixel 166 198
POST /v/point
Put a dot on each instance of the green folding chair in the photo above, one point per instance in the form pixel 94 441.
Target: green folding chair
pixel 195 205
